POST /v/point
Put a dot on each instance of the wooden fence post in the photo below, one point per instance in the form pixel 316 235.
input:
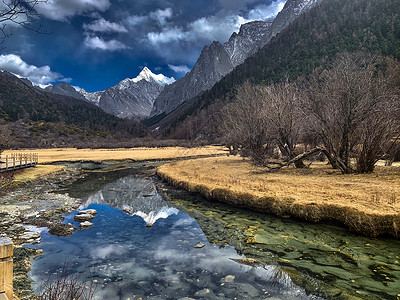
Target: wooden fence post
pixel 6 269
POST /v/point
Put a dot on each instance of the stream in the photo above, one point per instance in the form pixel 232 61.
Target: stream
pixel 142 246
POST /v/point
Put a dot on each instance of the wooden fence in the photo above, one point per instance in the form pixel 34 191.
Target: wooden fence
pixel 6 269
pixel 17 161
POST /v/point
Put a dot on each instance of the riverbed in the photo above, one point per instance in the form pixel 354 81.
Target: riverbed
pixel 143 238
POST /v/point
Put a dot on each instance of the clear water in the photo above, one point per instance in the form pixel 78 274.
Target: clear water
pixel 141 246
pixel 147 252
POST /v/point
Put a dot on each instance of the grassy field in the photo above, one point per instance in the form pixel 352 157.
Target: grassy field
pixel 368 204
pixel 136 154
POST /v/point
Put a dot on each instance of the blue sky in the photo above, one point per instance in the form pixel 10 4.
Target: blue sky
pixel 94 44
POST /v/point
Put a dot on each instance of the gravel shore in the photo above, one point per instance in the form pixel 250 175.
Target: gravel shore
pixel 27 209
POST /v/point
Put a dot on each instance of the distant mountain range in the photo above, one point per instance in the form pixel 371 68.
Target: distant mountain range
pixel 129 99
pixel 33 117
pixel 312 40
pixel 151 95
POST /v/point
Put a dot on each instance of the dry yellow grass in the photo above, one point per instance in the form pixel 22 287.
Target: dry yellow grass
pixel 37 172
pixel 369 204
pixel 136 154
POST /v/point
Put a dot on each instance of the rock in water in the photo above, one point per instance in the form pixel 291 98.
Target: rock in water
pixel 85 215
pixel 229 278
pixel 92 212
pixel 83 218
pixel 202 293
pixel 85 225
pixel 199 245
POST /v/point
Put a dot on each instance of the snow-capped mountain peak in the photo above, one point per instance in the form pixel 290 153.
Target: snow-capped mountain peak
pixel 131 98
pixel 148 75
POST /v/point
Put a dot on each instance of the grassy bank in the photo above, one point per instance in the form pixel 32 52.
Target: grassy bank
pixel 12 179
pixel 135 154
pixel 37 172
pixel 367 204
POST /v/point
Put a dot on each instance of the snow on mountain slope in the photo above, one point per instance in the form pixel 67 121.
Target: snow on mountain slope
pixel 131 98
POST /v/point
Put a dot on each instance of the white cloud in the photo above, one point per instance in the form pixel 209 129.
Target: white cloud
pixel 95 42
pixel 161 16
pixel 166 36
pixel 63 9
pixel 102 25
pixel 264 12
pixel 135 20
pixel 38 75
pixel 106 251
pixel 179 69
pixel 214 28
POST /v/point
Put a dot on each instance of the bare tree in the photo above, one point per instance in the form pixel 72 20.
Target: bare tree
pixel 17 12
pixel 244 124
pixel 353 107
pixel 261 119
pixel 280 105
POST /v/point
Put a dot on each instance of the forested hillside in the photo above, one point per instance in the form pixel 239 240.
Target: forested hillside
pixel 313 40
pixel 36 118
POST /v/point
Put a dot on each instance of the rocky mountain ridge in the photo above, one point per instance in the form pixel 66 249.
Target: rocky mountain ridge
pixel 218 59
pixel 64 89
pixel 132 98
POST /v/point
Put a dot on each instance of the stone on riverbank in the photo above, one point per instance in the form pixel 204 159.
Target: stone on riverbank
pixel 30 236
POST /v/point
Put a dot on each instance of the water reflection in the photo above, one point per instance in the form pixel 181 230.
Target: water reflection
pixel 135 196
pixel 127 260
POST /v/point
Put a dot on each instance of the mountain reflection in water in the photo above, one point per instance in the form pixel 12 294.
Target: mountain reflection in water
pixel 135 196
pixel 127 260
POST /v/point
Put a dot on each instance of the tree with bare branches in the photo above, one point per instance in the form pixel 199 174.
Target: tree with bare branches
pixel 263 118
pixel 17 12
pixel 353 107
pixel 244 124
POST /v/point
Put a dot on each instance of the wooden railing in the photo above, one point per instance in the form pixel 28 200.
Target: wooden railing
pixel 17 161
pixel 6 269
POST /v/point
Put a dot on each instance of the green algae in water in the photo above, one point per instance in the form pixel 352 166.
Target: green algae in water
pixel 326 260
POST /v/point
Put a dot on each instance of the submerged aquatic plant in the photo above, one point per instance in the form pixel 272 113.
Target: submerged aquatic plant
pixel 66 287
